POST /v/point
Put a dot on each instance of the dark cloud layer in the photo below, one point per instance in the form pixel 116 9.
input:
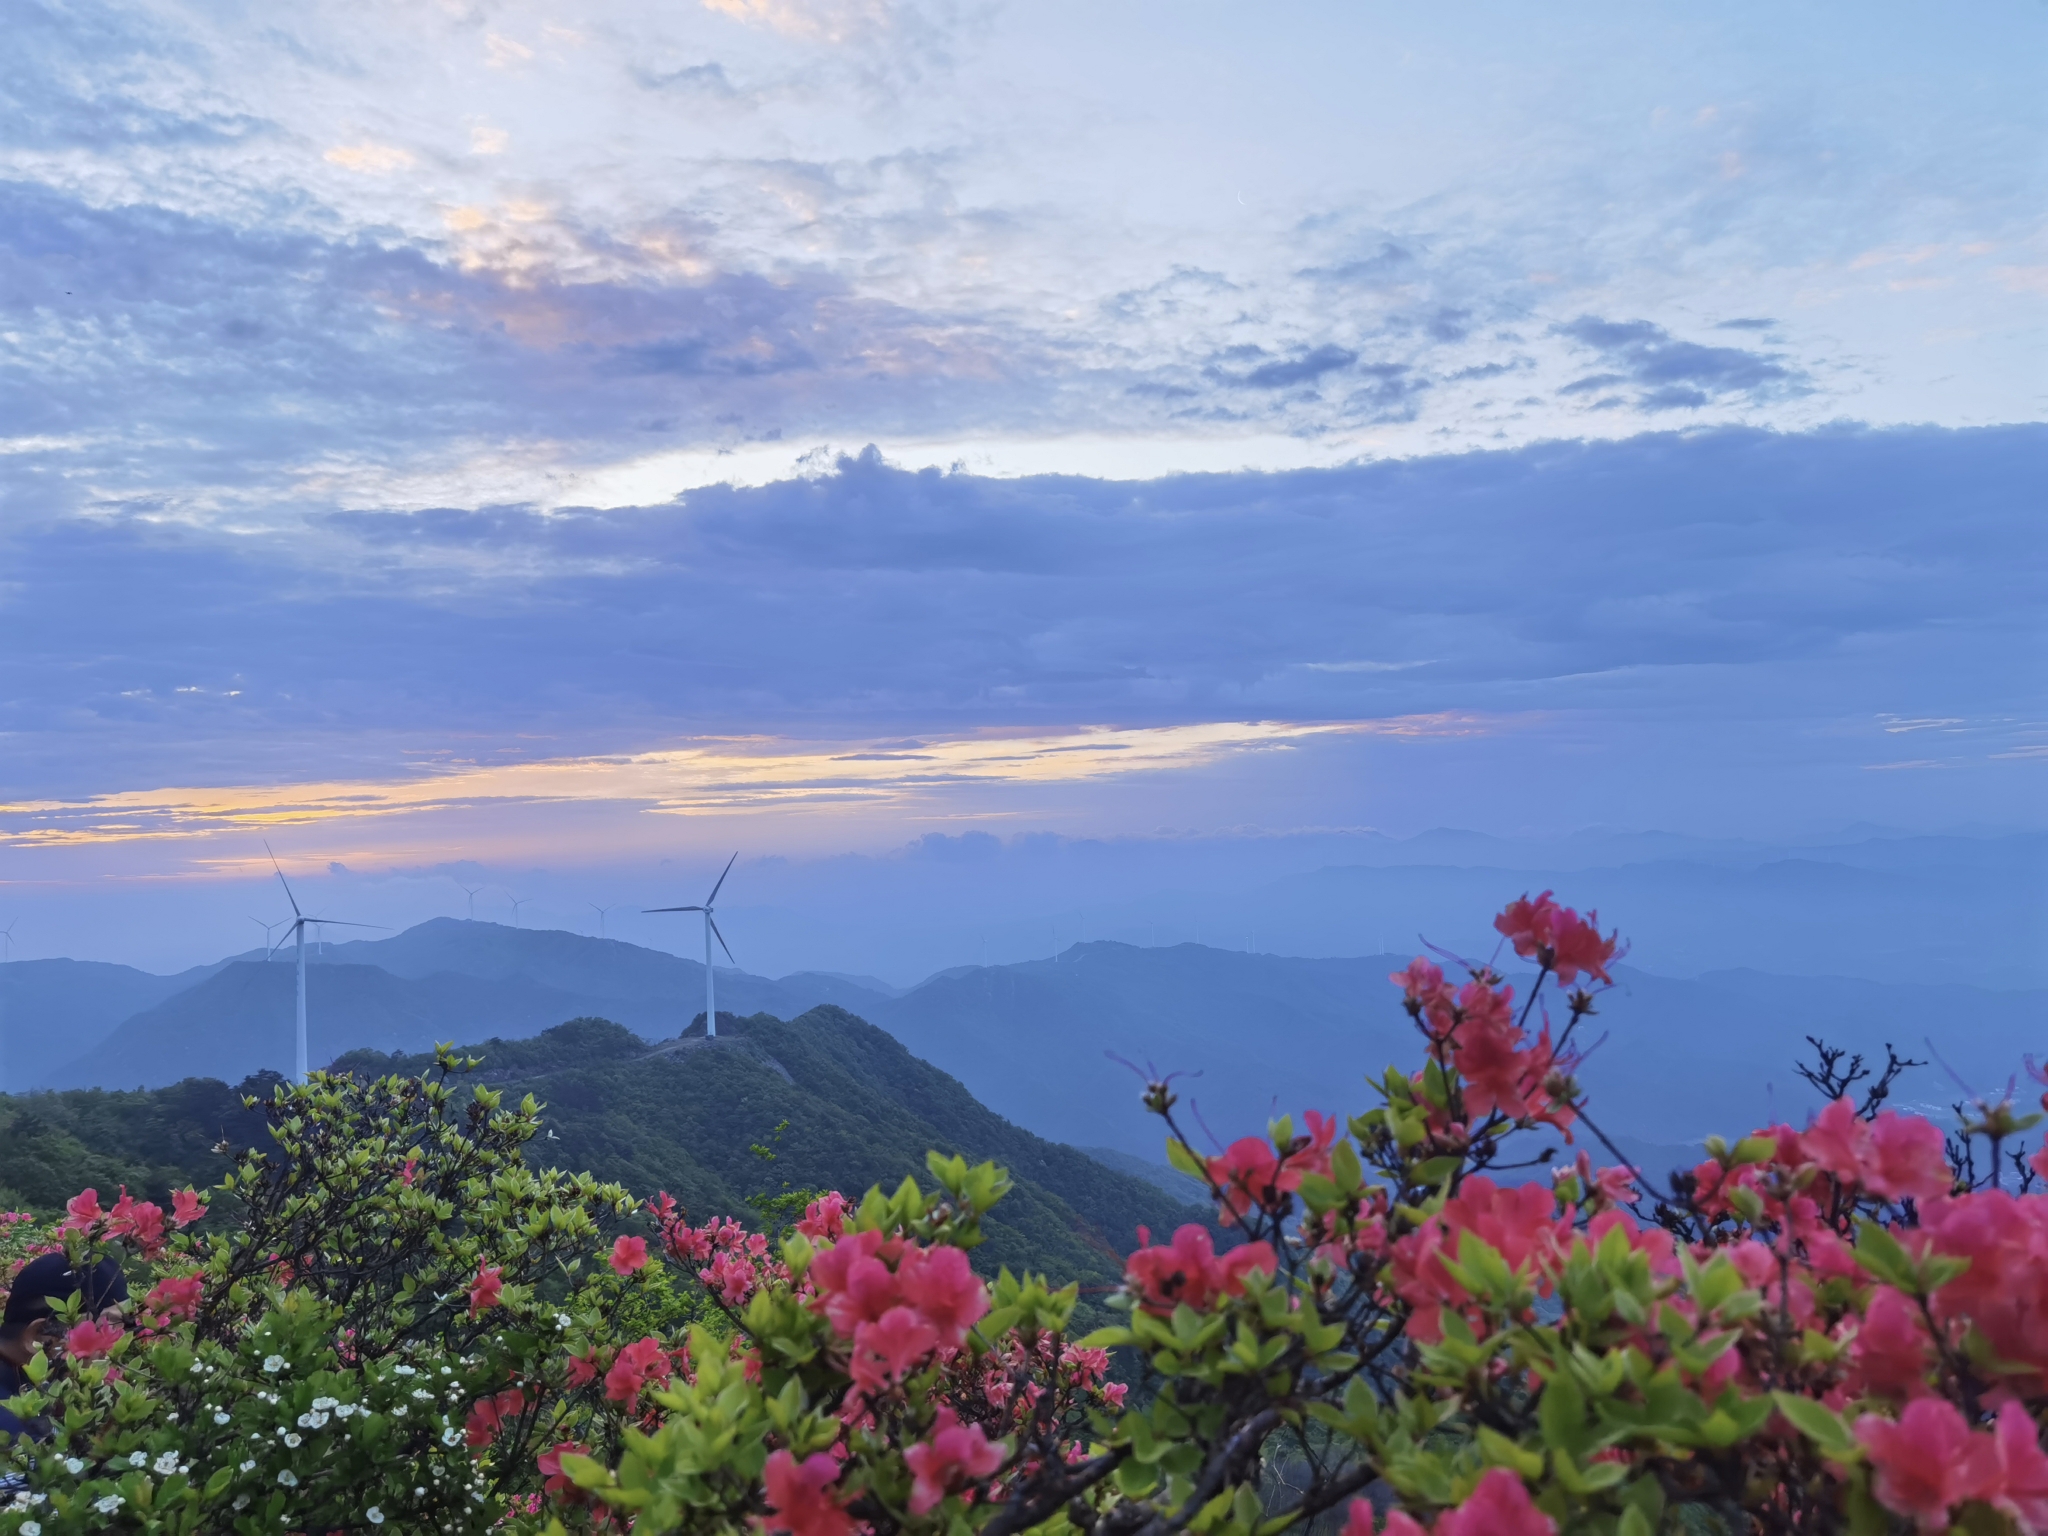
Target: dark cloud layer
pixel 1721 579
pixel 1668 374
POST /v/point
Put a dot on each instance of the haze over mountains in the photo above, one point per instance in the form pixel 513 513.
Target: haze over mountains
pixel 1046 1043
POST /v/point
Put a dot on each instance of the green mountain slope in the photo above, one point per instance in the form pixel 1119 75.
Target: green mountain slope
pixel 859 1109
pixel 838 1102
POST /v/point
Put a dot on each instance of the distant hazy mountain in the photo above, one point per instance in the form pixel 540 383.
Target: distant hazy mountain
pixel 54 1010
pixel 1045 1043
pixel 445 979
pixel 1258 1035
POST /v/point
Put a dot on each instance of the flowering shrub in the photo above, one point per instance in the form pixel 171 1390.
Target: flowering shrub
pixel 308 1360
pixel 1822 1329
pixel 1403 1320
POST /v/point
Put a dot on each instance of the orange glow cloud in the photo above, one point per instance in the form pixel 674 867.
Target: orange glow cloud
pixel 710 776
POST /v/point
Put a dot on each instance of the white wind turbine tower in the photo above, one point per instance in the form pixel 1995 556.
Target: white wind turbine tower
pixel 600 911
pixel 469 891
pixel 710 927
pixel 297 933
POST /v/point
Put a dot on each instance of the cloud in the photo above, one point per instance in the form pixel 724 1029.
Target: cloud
pixel 1305 369
pixel 372 159
pixel 754 775
pixel 1670 374
pixel 1788 578
pixel 829 21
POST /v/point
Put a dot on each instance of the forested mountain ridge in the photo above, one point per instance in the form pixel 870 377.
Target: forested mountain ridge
pixel 823 1100
pixel 835 1100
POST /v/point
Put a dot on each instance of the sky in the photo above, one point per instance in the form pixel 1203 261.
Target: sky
pixel 498 443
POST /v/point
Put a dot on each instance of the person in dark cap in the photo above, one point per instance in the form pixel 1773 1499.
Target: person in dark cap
pixel 30 1321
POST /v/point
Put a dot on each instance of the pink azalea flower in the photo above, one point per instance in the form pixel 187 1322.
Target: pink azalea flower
pixel 824 1219
pixel 1188 1270
pixel 1358 1521
pixel 186 1207
pixel 1906 1159
pixel 485 1289
pixel 799 1497
pixel 635 1366
pixel 945 1291
pixel 955 1455
pixel 1577 946
pixel 1891 1346
pixel 89 1340
pixel 2019 1483
pixel 550 1463
pixel 84 1210
pixel 1926 1463
pixel 888 1349
pixel 1499 1506
pixel 629 1256
pixel 174 1297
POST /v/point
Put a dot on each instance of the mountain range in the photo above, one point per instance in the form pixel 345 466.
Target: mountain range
pixel 1057 1045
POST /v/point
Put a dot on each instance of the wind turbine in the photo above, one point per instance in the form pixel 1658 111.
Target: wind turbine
pixel 710 927
pixel 297 934
pixel 517 903
pixel 268 929
pixel 469 891
pixel 600 911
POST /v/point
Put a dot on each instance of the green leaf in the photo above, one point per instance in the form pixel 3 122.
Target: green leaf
pixel 1820 1424
pixel 1561 1415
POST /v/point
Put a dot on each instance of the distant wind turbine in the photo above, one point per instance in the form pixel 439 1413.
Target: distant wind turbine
pixel 710 927
pixel 268 929
pixel 297 933
pixel 517 903
pixel 469 891
pixel 600 911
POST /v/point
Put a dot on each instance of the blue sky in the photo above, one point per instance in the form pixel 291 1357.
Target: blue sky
pixel 562 438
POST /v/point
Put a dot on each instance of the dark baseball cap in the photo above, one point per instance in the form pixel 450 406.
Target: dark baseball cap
pixel 50 1278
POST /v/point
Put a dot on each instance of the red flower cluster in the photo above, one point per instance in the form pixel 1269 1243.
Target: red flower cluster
pixel 1557 937
pixel 488 1414
pixel 800 1500
pixel 1898 1156
pixel 2004 1292
pixel 953 1456
pixel 1188 1271
pixel 897 1302
pixel 1522 1223
pixel 636 1364
pixel 173 1298
pixel 1499 1506
pixel 1256 1172
pixel 140 1222
pixel 486 1289
pixel 89 1340
pixel 629 1256
pixel 1501 1069
pixel 1928 1462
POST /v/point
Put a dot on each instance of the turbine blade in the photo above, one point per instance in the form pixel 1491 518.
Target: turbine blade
pixel 721 937
pixel 721 879
pixel 671 909
pixel 335 922
pixel 288 896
